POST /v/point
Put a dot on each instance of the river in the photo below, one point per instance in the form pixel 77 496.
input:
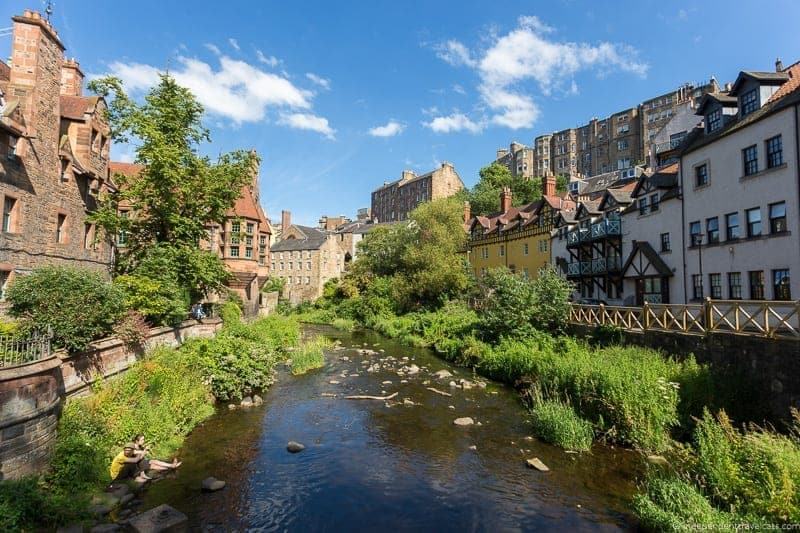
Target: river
pixel 384 466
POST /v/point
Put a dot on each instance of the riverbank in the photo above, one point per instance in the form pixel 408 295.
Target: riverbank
pixel 164 396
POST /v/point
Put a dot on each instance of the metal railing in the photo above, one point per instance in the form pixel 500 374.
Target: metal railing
pixel 20 350
pixel 741 317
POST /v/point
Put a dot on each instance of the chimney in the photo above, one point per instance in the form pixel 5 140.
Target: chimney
pixel 407 175
pixel 467 212
pixel 71 78
pixel 286 220
pixel 549 185
pixel 501 152
pixel 505 199
pixel 778 65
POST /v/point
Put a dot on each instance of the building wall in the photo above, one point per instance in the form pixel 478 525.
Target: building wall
pixel 729 191
pixel 306 271
pixel 34 178
pixel 394 201
pixel 514 254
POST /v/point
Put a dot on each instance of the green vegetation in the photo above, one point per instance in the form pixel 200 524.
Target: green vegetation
pixel 163 396
pixel 484 197
pixel 77 305
pixel 309 355
pixel 557 423
pixel 160 302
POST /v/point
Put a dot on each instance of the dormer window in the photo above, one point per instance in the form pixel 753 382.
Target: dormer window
pixel 714 120
pixel 749 102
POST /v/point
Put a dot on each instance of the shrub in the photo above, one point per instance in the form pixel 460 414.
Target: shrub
pixel 551 292
pixel 344 324
pixel 230 313
pixel 606 335
pixel 309 355
pixel 506 304
pixel 26 506
pixel 670 503
pixel 162 302
pixel 77 305
pixel 557 423
pixel 132 329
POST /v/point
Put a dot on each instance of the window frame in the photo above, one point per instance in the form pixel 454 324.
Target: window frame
pixel 756 289
pixel 712 235
pixel 775 221
pixel 774 157
pixel 737 294
pixel 666 246
pixel 693 241
pixel 784 292
pixel 715 289
pixel 750 232
pixel 750 164
pixel 748 104
pixel 697 288
pixel 729 227
pixel 699 170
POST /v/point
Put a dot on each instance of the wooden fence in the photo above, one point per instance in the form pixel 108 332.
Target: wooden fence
pixel 739 317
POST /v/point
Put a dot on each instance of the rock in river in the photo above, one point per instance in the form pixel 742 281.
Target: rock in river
pixel 247 401
pixel 295 447
pixel 463 421
pixel 442 374
pixel 537 464
pixel 212 484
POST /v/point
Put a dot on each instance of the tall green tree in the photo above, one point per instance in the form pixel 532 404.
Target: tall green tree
pixel 178 190
pixel 484 198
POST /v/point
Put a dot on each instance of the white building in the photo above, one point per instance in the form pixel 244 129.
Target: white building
pixel 739 176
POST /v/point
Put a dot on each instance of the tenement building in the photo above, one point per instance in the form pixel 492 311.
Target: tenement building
pixel 517 238
pixel 394 201
pixel 54 151
pixel 518 159
pixel 305 259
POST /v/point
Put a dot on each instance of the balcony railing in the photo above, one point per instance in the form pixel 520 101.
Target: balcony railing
pixel 610 227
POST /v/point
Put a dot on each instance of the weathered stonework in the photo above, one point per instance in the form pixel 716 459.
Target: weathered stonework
pixel 394 201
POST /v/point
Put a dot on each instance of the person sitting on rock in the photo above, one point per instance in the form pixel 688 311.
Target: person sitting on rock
pixel 152 464
pixel 125 465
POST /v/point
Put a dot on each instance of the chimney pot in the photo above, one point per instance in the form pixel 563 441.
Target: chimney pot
pixel 505 199
pixel 778 65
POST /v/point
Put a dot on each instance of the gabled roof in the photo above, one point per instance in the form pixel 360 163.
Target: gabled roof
pixel 310 239
pixel 763 78
pixel 645 249
pixel 74 107
pixel 663 178
pixel 246 205
pixel 722 98
pixel 786 96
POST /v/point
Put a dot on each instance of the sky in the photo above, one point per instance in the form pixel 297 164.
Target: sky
pixel 339 97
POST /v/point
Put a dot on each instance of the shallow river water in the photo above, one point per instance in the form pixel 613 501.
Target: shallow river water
pixel 385 466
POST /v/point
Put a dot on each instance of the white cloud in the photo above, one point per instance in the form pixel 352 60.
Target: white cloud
pixel 234 43
pixel 214 48
pixel 307 121
pixel 390 129
pixel 455 53
pixel 235 90
pixel 529 54
pixel 319 80
pixel 453 123
pixel 457 88
pixel 270 61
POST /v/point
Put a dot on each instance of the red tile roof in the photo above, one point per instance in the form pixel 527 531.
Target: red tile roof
pixel 794 82
pixel 74 107
pixel 130 170
pixel 246 205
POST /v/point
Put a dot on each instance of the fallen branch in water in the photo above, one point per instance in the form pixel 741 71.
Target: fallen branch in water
pixel 437 391
pixel 371 397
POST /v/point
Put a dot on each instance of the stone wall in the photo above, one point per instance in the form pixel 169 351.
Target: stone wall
pixel 31 395
pixel 766 371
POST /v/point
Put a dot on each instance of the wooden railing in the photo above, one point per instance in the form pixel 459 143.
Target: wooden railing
pixel 740 317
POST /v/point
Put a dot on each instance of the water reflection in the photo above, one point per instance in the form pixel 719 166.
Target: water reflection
pixel 376 466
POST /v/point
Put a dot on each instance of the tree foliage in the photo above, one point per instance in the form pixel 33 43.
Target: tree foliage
pixel 484 197
pixel 178 191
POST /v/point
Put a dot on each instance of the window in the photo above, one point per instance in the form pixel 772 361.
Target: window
pixel 694 233
pixel 777 217
pixel 756 284
pixel 753 222
pixel 665 245
pixel 750 159
pixel 248 252
pixel 9 214
pixel 697 286
pixel 735 285
pixel 308 265
pixel 291 265
pixel 712 230
pixel 235 227
pixel 732 226
pixel 262 260
pixel 643 206
pixel 525 248
pixel 281 266
pixel 298 280
pixel 622 145
pixel 308 280
pixel 235 238
pixel 262 241
pixel 12 148
pixel 701 175
pixel 502 250
pixel 713 120
pixel 749 102
pixel 248 240
pixel 250 227
pixel 234 251
pixel 715 281
pixel 654 202
pixel 61 226
pixel 4 277
pixel 774 151
pixel 780 285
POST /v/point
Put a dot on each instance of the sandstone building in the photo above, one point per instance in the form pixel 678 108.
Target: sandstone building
pixel 54 152
pixel 394 201
pixel 518 159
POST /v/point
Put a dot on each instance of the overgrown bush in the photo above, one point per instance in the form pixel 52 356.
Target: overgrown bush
pixel 670 503
pixel 132 329
pixel 557 423
pixel 309 355
pixel 230 313
pixel 161 301
pixel 77 305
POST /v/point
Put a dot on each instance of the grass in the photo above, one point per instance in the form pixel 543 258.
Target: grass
pixel 670 504
pixel 309 355
pixel 557 423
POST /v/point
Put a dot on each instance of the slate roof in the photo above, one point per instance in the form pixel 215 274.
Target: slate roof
pixel 313 240
pixel 764 78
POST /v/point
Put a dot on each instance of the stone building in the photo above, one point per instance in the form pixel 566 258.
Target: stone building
pixel 305 258
pixel 54 151
pixel 394 201
pixel 518 159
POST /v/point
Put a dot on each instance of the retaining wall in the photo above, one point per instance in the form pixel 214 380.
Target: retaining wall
pixel 31 395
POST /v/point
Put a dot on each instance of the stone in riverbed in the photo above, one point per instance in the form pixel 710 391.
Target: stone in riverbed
pixel 412 369
pixel 473 447
pixel 407 401
pixel 258 400
pixel 463 421
pixel 442 374
pixel 537 464
pixel 294 447
pixel 247 401
pixel 212 484
pixel 333 382
pixel 465 384
pixel 161 518
pixel 453 384
pixel 387 382
pixel 231 406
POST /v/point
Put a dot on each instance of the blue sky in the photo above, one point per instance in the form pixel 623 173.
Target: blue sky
pixel 339 98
